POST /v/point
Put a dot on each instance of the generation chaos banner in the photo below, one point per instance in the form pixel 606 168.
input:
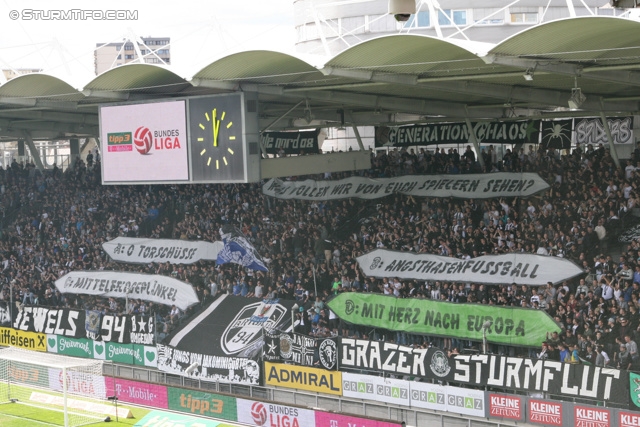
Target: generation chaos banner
pixel 519 132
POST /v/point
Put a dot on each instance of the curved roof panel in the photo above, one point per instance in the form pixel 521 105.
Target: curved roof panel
pixel 583 39
pixel 39 85
pixel 408 54
pixel 137 77
pixel 259 66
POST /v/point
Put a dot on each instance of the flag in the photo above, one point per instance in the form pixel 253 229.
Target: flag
pixel 557 134
pixel 238 250
pixel 634 380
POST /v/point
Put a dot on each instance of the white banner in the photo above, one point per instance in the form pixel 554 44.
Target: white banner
pixel 148 287
pixel 446 398
pixel 472 186
pixel 519 268
pixel 143 251
pixel 369 387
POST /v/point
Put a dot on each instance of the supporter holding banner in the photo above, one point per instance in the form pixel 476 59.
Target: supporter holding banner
pixel 144 251
pixel 155 288
pixel 506 325
pixel 238 250
pixel 507 269
pixel 467 186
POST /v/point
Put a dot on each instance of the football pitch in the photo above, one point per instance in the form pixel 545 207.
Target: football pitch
pixel 30 414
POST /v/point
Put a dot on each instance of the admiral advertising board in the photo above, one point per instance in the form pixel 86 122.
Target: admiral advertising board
pixel 303 378
pixel 144 143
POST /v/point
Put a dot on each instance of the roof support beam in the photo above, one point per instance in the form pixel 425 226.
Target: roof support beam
pixel 34 150
pixel 404 105
pixel 530 95
pixel 614 76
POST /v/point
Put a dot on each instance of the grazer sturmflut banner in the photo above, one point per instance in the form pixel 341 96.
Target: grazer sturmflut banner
pixel 237 370
pixel 519 268
pixel 509 325
pixel 148 287
pixel 495 371
pixel 520 132
pixel 143 251
pixel 92 324
pixel 471 186
pixel 233 326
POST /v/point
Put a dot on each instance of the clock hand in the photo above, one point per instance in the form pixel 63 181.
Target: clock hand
pixel 216 127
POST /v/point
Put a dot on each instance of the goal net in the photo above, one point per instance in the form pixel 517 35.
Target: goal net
pixel 55 389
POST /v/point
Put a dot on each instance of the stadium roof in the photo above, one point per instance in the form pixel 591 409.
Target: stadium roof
pixel 383 81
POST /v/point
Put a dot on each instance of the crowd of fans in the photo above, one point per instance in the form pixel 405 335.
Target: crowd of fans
pixel 56 222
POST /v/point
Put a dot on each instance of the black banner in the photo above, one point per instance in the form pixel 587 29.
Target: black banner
pixel 237 370
pixel 558 378
pixel 557 134
pixel 458 133
pixel 233 326
pixel 304 142
pixel 300 349
pixel 132 329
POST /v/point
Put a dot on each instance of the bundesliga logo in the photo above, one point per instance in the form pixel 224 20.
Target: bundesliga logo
pixel 144 139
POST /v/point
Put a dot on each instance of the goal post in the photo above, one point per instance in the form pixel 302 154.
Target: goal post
pixel 66 385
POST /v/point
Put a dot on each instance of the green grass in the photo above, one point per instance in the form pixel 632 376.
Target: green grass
pixel 21 415
pixel 9 411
